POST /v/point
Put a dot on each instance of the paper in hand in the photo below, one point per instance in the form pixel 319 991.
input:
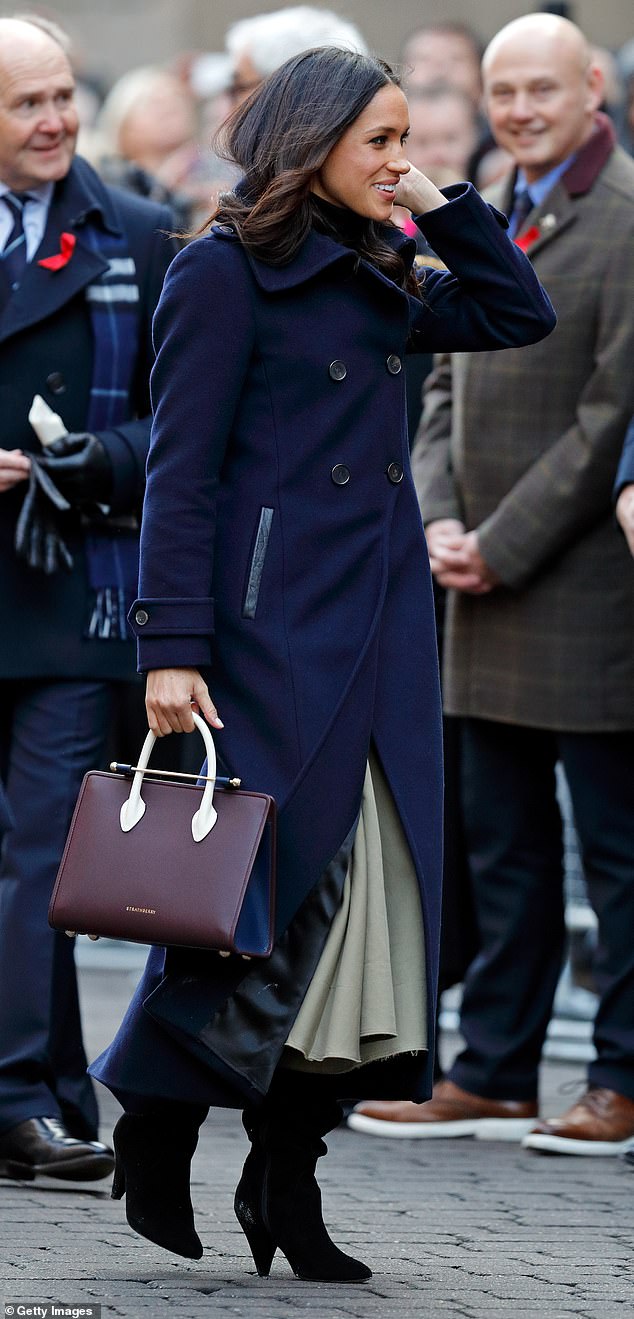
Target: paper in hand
pixel 48 426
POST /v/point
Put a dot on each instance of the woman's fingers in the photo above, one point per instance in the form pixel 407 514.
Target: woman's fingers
pixel 203 702
pixel 159 723
pixel 171 696
pixel 164 719
pixel 167 701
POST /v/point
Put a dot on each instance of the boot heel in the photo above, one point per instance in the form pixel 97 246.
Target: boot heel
pixel 118 1182
pixel 291 1209
pixel 261 1243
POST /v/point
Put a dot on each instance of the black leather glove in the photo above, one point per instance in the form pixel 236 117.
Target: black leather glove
pixel 38 534
pixel 80 467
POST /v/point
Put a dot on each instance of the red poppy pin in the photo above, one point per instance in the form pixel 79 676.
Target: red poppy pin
pixel 61 258
pixel 526 240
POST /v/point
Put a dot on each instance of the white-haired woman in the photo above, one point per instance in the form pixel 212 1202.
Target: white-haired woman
pixel 259 45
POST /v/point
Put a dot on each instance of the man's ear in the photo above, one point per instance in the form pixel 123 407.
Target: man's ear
pixel 595 88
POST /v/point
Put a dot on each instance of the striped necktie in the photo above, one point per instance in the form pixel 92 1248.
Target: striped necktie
pixel 14 254
pixel 522 206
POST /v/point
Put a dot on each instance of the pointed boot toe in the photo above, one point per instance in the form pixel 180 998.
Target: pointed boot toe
pixel 152 1170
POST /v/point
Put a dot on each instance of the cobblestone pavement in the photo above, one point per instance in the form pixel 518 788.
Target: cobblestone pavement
pixel 467 1229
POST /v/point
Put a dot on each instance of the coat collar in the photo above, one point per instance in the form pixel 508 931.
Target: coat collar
pixel 557 211
pixel 80 199
pixel 581 176
pixel 317 254
pixel 83 196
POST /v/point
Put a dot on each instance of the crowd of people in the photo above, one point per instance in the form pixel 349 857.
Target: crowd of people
pixel 161 119
pixel 502 185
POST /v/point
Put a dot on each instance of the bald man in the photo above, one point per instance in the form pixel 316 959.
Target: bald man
pixel 515 463
pixel 81 269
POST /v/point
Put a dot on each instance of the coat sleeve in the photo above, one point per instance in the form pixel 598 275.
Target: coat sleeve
pixel 570 486
pixel 203 333
pixel 431 452
pixel 491 298
pixel 625 473
pixel 127 444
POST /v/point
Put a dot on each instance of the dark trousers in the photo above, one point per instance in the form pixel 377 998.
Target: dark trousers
pixel 514 841
pixel 51 733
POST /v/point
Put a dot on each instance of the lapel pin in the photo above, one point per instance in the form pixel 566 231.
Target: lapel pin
pixel 548 221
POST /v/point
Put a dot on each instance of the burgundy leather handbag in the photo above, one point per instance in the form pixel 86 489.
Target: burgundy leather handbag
pixel 181 864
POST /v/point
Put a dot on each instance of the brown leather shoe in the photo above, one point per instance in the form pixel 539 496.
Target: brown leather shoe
pixel 42 1145
pixel 451 1111
pixel 601 1122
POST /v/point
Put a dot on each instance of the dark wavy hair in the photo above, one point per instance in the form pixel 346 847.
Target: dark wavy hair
pixel 281 136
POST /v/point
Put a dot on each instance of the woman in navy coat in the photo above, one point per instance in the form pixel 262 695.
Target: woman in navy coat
pixel 283 558
pixel 624 488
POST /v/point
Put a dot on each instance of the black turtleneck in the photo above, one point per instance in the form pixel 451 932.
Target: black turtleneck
pixel 351 230
pixel 338 222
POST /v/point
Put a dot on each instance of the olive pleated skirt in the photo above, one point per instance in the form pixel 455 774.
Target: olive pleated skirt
pixel 367 999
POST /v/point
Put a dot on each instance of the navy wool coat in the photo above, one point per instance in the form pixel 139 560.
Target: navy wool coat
pixel 282 551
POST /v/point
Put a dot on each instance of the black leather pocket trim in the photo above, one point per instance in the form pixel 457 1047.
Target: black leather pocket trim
pixel 257 563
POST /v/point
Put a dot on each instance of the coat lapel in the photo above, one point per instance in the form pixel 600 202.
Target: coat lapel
pixel 77 202
pixel 556 213
pixel 544 222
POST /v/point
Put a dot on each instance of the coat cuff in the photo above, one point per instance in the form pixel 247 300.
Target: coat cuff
pixel 461 195
pixel 440 511
pixel 507 560
pixel 172 633
pixel 172 617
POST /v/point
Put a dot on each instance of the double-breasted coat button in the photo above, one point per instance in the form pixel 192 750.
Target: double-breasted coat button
pixel 56 382
pixel 394 364
pixel 395 473
pixel 337 370
pixel 141 617
pixel 340 474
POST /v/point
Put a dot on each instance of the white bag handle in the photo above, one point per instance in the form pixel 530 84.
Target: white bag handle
pixel 203 821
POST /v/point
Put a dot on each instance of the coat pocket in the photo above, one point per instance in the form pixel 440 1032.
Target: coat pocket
pixel 257 563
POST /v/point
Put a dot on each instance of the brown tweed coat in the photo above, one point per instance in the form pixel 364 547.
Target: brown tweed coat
pixel 524 445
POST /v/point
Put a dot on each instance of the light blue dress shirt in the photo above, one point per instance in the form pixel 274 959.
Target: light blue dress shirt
pixel 34 217
pixel 540 188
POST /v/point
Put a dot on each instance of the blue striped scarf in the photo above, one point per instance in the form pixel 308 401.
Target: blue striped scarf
pixel 112 552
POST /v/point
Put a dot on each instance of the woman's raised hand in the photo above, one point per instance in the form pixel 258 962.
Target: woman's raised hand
pixel 170 697
pixel 415 191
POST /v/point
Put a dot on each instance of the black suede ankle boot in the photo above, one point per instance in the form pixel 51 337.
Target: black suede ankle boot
pixel 278 1201
pixel 153 1156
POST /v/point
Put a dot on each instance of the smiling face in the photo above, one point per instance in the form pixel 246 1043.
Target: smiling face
pixel 362 170
pixel 541 96
pixel 38 119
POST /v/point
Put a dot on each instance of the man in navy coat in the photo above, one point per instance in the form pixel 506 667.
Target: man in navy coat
pixel 81 268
